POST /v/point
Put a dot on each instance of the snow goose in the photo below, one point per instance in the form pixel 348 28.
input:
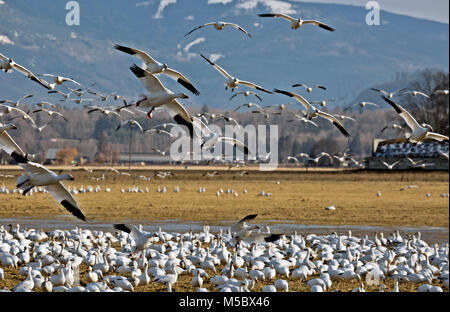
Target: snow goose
pixel 281 285
pixel 27 284
pixel 7 64
pixel 168 279
pixel 58 80
pixel 269 288
pixel 389 95
pixel 246 93
pixel 361 104
pixel 9 145
pixel 233 82
pixel 142 239
pixel 220 26
pixel 16 103
pixel 106 111
pixel 441 92
pixel 389 166
pixel 130 122
pixel 249 105
pixel 197 281
pixel 415 93
pixel 308 88
pixel 38 175
pixel 312 112
pixel 156 67
pixel 298 22
pixel 50 113
pixel 419 132
pixel 8 109
pixel 216 138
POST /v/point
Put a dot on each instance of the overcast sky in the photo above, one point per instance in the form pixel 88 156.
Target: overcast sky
pixel 436 10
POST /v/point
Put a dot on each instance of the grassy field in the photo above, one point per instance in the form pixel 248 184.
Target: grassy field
pixel 298 197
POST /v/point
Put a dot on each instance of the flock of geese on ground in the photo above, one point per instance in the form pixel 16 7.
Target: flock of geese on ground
pixel 343 256
pixel 243 258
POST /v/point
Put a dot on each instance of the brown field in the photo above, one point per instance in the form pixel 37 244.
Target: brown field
pixel 300 197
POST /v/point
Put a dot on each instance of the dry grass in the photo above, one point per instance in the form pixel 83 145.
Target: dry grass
pixel 299 198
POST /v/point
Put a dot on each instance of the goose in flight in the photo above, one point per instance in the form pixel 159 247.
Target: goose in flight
pixel 16 103
pixel 51 113
pixel 264 113
pixel 38 175
pixel 292 158
pixel 220 26
pixel 162 153
pixel 107 112
pixel 389 166
pixel 342 117
pixel 141 239
pixel 130 122
pixel 216 138
pixel 159 95
pixel 7 64
pixel 43 104
pixel 323 103
pixel 389 95
pixel 10 146
pixel 210 174
pixel 415 93
pixel 414 163
pixel 319 156
pixel 393 126
pixel 233 82
pixel 308 89
pixel 102 97
pixel 298 22
pixel 440 92
pixel 159 131
pixel 58 80
pixel 246 93
pixel 156 67
pixel 65 95
pixel 303 119
pixel 79 101
pixel 8 109
pixel 242 224
pixel 361 104
pixel 248 105
pixel 419 132
pixel 312 112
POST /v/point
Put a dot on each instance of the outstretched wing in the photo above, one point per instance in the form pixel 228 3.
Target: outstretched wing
pixel 59 192
pixel 144 57
pixel 335 122
pixel 181 80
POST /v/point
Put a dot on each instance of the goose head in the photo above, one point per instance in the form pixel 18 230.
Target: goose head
pixel 66 176
pixel 427 126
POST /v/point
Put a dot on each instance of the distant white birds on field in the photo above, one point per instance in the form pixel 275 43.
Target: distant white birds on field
pixel 220 26
pixel 155 67
pixel 298 22
pixel 312 112
pixel 419 132
pixel 38 175
pixel 233 82
pixel 7 64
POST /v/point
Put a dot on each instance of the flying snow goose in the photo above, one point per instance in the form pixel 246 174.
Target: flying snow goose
pixel 130 122
pixel 319 156
pixel 59 80
pixel 415 93
pixel 242 224
pixel 8 109
pixel 440 92
pixel 323 103
pixel 7 64
pixel 159 131
pixel 220 26
pixel 419 132
pixel 303 119
pixel 141 239
pixel 16 103
pixel 312 112
pixel 103 110
pixel 298 22
pixel 389 166
pixel 342 117
pixel 308 89
pixel 43 104
pixel 216 138
pixel 249 105
pixel 51 113
pixel 159 95
pixel 389 95
pixel 361 104
pixel 9 146
pixel 38 175
pixel 246 93
pixel 233 82
pixel 156 67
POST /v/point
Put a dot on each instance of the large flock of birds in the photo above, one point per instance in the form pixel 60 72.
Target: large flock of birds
pixel 256 255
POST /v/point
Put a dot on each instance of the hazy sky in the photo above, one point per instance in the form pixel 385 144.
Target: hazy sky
pixel 436 10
